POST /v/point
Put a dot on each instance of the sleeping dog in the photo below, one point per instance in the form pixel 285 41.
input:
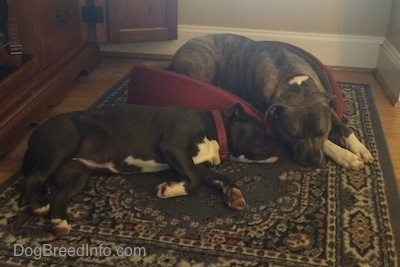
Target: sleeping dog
pixel 132 139
pixel 279 82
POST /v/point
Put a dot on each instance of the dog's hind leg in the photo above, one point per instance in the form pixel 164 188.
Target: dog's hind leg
pixel 47 151
pixel 70 179
pixel 37 169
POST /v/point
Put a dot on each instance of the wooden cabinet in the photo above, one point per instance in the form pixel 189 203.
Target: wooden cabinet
pixel 129 20
pixel 49 32
pixel 59 22
pixel 142 20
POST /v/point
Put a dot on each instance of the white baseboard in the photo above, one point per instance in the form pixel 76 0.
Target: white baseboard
pixel 331 49
pixel 388 69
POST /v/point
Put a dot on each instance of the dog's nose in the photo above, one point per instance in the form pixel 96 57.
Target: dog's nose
pixel 317 160
pixel 310 161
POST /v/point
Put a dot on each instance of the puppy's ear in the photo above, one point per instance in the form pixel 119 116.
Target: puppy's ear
pixel 236 111
pixel 333 101
pixel 275 112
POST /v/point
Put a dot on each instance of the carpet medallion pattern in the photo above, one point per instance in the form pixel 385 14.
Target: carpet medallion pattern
pixel 324 217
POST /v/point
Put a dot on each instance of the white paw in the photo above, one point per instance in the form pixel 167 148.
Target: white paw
pixel 358 148
pixel 42 211
pixel 60 227
pixel 342 156
pixel 350 160
pixel 234 199
pixel 243 159
pixel 171 189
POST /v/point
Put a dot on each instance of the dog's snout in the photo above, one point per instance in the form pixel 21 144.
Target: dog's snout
pixel 308 155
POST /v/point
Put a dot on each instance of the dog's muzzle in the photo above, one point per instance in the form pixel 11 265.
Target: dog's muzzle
pixel 308 154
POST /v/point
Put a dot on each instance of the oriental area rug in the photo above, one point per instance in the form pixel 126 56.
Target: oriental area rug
pixel 329 216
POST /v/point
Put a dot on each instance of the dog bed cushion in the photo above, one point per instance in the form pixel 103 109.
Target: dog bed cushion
pixel 153 86
pixel 157 87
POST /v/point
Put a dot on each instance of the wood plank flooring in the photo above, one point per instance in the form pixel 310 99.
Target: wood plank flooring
pixel 88 88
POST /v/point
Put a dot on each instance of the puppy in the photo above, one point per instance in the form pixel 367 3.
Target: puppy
pixel 129 139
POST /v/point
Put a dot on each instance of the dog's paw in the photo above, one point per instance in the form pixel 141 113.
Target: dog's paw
pixel 359 149
pixel 171 189
pixel 60 227
pixel 42 211
pixel 362 152
pixel 234 199
pixel 342 156
pixel 349 160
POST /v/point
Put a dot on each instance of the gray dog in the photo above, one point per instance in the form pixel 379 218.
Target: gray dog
pixel 278 81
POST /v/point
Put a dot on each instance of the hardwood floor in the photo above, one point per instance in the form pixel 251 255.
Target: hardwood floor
pixel 88 88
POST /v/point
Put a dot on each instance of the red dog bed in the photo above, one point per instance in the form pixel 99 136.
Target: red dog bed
pixel 157 87
pixel 153 86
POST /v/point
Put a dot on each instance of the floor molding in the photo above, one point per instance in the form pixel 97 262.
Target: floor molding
pixel 331 49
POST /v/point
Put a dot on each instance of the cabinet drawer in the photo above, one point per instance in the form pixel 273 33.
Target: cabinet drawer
pixel 58 27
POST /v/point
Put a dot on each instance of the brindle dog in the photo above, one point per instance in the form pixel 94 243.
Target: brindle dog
pixel 280 82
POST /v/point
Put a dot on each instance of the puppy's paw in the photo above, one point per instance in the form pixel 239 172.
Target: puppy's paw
pixel 171 189
pixel 60 227
pixel 234 199
pixel 42 211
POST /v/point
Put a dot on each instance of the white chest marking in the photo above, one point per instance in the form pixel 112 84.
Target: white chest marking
pixel 243 159
pixel 298 79
pixel 208 152
pixel 94 165
pixel 146 165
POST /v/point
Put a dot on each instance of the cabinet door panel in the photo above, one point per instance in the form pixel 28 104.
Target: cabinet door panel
pixel 59 24
pixel 142 20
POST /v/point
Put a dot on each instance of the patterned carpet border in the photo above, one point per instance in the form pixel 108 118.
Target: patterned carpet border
pixel 325 217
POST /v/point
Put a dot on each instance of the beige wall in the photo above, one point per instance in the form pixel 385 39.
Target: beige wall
pixel 344 17
pixel 338 32
pixel 393 34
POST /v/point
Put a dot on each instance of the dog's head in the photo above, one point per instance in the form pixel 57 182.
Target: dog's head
pixel 248 139
pixel 301 117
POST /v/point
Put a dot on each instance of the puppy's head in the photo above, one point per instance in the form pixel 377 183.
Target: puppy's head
pixel 248 138
pixel 301 117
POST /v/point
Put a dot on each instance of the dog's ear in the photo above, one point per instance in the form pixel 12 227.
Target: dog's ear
pixel 236 111
pixel 333 101
pixel 275 111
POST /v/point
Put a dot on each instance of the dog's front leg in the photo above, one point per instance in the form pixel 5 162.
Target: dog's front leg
pixel 358 148
pixel 350 140
pixel 233 197
pixel 183 163
pixel 342 156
